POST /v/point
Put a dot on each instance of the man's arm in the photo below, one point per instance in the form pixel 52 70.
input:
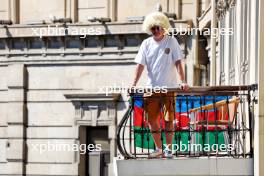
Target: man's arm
pixel 181 73
pixel 138 72
pixel 180 70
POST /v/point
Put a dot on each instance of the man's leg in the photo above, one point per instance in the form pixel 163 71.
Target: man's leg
pixel 169 133
pixel 152 110
pixel 156 133
pixel 169 118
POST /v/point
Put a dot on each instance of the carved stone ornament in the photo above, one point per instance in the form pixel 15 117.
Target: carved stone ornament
pixel 224 5
pixel 94 109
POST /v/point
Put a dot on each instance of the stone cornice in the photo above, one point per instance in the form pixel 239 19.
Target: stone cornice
pixel 108 28
pixel 120 47
pixel 71 60
pixel 94 109
pixel 92 97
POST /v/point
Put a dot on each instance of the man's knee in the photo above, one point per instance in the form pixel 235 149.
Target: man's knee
pixel 154 124
pixel 169 125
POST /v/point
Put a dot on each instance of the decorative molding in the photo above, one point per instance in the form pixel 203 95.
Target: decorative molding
pixel 88 97
pixel 74 50
pixel 112 28
pixel 244 66
pixel 92 109
pixel 232 74
pixel 223 6
pixel 120 47
pixel 232 3
pixel 222 78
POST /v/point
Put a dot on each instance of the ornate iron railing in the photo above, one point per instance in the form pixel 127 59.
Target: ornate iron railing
pixel 208 121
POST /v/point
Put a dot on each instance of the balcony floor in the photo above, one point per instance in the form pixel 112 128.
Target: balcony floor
pixel 184 166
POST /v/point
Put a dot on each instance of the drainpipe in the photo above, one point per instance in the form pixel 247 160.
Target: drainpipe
pixel 178 5
pixel 74 11
pixel 213 45
pixel 195 40
pixel 112 10
pixel 13 11
pixel 259 135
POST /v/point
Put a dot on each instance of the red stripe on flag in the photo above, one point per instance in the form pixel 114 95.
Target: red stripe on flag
pixel 180 122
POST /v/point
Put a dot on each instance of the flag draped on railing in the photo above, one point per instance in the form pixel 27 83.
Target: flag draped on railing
pixel 186 124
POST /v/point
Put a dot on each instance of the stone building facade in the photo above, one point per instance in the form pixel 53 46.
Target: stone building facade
pixel 54 78
pixel 236 59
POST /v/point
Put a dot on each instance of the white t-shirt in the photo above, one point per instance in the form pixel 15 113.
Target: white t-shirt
pixel 159 58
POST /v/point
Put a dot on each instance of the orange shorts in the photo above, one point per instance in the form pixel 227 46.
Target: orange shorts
pixel 158 104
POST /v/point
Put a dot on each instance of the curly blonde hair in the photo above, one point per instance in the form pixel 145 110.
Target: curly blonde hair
pixel 155 19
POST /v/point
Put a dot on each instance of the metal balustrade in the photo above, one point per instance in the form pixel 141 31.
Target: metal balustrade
pixel 213 121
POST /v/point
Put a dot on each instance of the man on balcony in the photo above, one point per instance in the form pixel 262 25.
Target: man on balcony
pixel 162 56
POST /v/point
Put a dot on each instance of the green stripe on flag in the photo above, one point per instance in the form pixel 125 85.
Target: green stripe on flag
pixel 143 139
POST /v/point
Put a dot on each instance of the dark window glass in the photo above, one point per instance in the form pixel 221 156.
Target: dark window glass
pixel 54 43
pixel 35 43
pixel 18 44
pixel 91 42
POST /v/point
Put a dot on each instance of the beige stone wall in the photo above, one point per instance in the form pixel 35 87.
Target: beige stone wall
pixel 89 78
pixel 138 8
pixel 39 9
pixel 88 8
pixel 49 115
pixel 260 140
pixel 4 9
pixel 240 61
pixel 188 11
pixel 3 117
pixel 32 10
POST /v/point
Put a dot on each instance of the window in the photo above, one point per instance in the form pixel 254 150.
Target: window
pixel 91 42
pixel 131 40
pixel 18 44
pixel 54 43
pixel 110 41
pixel 72 42
pixel 35 43
pixel 2 44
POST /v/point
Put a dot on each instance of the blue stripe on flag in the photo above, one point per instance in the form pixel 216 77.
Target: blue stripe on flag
pixel 193 101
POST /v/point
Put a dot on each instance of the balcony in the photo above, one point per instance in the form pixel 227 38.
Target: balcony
pixel 212 133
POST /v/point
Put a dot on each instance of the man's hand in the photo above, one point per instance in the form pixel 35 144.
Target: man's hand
pixel 131 89
pixel 179 65
pixel 184 86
